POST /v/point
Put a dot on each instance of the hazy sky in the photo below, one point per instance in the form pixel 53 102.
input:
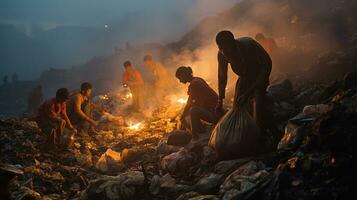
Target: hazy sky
pixel 101 12
pixel 137 21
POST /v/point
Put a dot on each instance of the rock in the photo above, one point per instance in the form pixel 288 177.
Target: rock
pixel 83 156
pixel 284 111
pixel 308 96
pixel 25 193
pixel 209 155
pixel 209 184
pixel 167 181
pixel 228 166
pixel 205 197
pixel 154 187
pixel 350 80
pixel 188 196
pixel 280 92
pixel 315 110
pixel 179 138
pixel 125 186
pixel 7 173
pixel 243 180
pixel 110 161
pixel 293 136
pixel 177 161
pixel 165 149
pixel 132 154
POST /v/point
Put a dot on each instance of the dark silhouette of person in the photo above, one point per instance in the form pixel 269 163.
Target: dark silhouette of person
pixel 253 65
pixel 201 101
pixel 133 79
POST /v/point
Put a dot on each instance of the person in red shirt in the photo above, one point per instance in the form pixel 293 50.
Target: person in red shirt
pixel 133 80
pixel 52 117
pixel 201 102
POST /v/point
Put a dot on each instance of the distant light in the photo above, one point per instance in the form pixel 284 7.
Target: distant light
pixel 106 26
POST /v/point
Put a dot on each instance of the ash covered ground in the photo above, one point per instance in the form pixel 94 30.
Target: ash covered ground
pixel 134 161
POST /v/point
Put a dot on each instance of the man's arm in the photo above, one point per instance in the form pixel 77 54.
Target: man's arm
pixel 187 107
pixel 65 117
pixel 68 122
pixel 125 79
pixel 261 77
pixel 52 114
pixel 222 76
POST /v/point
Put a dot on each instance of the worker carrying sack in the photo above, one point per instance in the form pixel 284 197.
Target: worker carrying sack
pixel 235 135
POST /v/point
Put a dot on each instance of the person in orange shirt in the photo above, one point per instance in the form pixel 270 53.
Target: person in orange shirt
pixel 268 44
pixel 163 82
pixel 133 79
pixel 52 117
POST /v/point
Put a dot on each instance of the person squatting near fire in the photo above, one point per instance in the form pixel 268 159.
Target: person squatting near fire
pixel 79 109
pixel 132 79
pixel 162 81
pixel 53 120
pixel 201 102
pixel 253 65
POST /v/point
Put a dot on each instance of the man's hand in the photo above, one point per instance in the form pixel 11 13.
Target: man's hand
pixel 219 107
pixel 93 123
pixel 74 130
pixel 181 123
pixel 242 99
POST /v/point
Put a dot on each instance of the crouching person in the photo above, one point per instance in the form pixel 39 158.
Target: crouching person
pixel 53 120
pixel 201 102
pixel 80 108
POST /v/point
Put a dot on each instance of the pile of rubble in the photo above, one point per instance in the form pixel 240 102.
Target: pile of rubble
pixel 313 160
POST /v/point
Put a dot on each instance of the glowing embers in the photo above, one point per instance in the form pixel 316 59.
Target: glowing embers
pixel 103 97
pixel 136 127
pixel 182 100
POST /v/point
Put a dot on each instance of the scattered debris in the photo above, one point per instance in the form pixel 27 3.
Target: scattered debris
pixel 313 161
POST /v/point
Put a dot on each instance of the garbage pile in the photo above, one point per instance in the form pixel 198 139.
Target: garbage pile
pixel 313 160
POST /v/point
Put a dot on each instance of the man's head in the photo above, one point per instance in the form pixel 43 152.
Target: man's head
pixel 148 60
pixel 62 95
pixel 259 37
pixel 226 42
pixel 184 74
pixel 127 66
pixel 86 89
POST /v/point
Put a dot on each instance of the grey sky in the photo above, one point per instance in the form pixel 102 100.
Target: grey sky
pixel 100 12
pixel 134 21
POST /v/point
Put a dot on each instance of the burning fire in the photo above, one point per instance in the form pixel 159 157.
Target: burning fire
pixel 129 95
pixel 135 127
pixel 104 97
pixel 182 101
